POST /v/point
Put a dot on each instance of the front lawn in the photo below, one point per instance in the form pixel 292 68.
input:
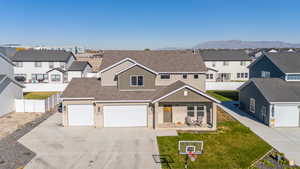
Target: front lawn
pixel 232 146
pixel 38 95
pixel 224 95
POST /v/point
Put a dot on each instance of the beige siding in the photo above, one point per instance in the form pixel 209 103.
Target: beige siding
pixel 108 77
pixel 197 83
pixel 124 78
pixel 191 96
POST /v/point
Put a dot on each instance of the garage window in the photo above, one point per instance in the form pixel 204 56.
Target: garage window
pixel 252 105
pixel 264 111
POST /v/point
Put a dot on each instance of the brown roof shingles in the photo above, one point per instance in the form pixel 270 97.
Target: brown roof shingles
pixel 160 61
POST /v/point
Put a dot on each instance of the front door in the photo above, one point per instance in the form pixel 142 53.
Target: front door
pixel 167 114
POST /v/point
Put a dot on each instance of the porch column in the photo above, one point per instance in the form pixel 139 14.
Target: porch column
pixel 214 115
pixel 155 112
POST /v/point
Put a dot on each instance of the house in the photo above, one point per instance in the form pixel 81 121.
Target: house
pixel 154 89
pixel 9 88
pixel 79 69
pixel 35 65
pixel 226 65
pixel 272 95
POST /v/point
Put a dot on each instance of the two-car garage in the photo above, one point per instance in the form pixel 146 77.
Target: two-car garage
pixel 111 115
pixel 286 115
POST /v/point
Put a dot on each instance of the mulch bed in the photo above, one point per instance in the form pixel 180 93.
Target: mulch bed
pixel 14 155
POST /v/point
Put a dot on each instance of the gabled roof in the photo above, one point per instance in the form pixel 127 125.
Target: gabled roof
pixel 276 89
pixel 159 61
pixel 42 56
pixel 78 66
pixel 58 69
pixel 287 62
pixel 6 59
pixel 178 85
pixel 5 81
pixel 225 55
pixel 139 65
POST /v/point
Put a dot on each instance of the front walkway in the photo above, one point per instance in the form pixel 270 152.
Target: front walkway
pixel 285 140
pixel 58 147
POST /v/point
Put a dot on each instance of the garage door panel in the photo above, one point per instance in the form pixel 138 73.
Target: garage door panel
pixel 286 116
pixel 81 115
pixel 125 116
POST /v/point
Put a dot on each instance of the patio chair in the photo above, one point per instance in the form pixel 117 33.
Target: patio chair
pixel 189 121
pixel 200 120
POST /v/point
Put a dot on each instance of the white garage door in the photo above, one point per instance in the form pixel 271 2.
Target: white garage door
pixel 286 116
pixel 125 116
pixel 81 115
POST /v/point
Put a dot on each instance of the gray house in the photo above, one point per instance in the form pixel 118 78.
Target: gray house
pixel 272 95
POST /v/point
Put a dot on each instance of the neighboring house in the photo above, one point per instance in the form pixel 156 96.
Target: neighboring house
pixel 226 65
pixel 79 69
pixel 34 64
pixel 9 88
pixel 154 89
pixel 272 94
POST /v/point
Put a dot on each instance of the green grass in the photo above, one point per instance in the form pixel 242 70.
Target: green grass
pixel 224 95
pixel 38 95
pixel 232 146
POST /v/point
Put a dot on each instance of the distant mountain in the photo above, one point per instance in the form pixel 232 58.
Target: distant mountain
pixel 238 44
pixel 170 48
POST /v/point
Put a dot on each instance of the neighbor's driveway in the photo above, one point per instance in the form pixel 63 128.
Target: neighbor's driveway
pixel 286 140
pixel 90 148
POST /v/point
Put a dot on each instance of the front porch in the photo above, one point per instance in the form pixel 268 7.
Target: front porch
pixel 200 116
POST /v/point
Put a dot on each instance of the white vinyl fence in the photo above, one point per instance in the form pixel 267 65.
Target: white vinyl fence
pixel 44 87
pixel 31 105
pixel 223 85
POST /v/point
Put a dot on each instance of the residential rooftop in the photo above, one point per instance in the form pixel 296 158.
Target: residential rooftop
pixel 41 56
pixel 288 62
pixel 78 66
pixel 159 61
pixel 225 55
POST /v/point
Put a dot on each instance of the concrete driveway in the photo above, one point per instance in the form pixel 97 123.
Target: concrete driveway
pixel 90 148
pixel 285 140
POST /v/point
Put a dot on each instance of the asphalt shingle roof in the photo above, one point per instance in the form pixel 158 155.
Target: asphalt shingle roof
pixel 288 62
pixel 278 90
pixel 225 55
pixel 41 56
pixel 2 76
pixel 159 61
pixel 78 66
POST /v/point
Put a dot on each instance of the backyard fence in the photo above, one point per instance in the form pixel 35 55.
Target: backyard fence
pixel 223 85
pixel 44 87
pixel 31 105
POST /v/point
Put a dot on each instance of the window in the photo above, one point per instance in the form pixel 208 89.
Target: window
pixel 165 76
pixel 293 77
pixel 62 65
pixel 213 64
pixel 37 64
pixel 252 105
pixel 137 81
pixel 246 75
pixel 55 77
pixel 51 65
pixel 242 75
pixel 225 63
pixel 238 75
pixel 264 112
pixel 184 76
pixel 243 63
pixel 200 112
pixel 265 74
pixel 211 76
pixel 196 76
pixel 19 64
pixel 191 111
pixel 37 76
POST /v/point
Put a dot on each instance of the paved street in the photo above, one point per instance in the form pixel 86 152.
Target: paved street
pixel 90 148
pixel 286 140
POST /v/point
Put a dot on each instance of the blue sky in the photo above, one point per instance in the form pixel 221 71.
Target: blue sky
pixel 139 24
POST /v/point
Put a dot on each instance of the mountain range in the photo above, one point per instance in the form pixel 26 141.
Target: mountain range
pixel 238 44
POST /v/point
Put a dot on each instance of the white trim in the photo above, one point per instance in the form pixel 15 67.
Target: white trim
pixel 284 102
pixel 77 98
pixel 124 101
pixel 137 64
pixel 191 88
pixel 12 80
pixel 7 59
